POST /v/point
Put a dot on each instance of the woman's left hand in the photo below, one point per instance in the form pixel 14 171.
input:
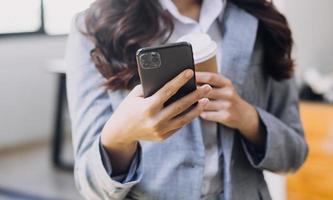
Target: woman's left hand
pixel 228 108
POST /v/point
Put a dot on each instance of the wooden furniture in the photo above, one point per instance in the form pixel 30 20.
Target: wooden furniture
pixel 315 179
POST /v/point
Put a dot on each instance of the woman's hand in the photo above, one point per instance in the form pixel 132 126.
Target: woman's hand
pixel 228 108
pixel 139 118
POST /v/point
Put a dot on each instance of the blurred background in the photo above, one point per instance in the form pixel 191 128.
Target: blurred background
pixel 35 152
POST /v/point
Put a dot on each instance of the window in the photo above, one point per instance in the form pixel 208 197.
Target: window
pixel 20 16
pixel 25 16
pixel 59 13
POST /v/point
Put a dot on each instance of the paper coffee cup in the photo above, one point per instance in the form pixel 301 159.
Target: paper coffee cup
pixel 204 51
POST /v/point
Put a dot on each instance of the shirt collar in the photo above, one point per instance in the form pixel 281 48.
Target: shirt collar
pixel 210 10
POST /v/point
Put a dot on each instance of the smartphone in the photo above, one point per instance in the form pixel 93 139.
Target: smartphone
pixel 158 65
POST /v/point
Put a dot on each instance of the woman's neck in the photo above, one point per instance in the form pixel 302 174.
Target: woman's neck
pixel 189 8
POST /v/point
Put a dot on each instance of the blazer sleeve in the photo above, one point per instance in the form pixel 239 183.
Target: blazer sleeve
pixel 123 178
pixel 285 149
pixel 90 107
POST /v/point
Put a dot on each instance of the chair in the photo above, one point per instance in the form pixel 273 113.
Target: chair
pixel 57 67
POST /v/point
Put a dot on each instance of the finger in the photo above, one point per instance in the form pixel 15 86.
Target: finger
pixel 213 105
pixel 214 79
pixel 225 93
pixel 188 117
pixel 184 103
pixel 170 88
pixel 214 116
pixel 137 91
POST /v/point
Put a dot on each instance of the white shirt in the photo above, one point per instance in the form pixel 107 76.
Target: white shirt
pixel 210 11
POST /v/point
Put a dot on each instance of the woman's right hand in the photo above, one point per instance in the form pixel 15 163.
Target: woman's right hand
pixel 138 118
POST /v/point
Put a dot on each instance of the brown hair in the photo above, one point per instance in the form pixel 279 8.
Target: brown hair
pixel 276 36
pixel 118 28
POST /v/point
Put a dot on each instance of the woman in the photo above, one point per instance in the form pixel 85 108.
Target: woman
pixel 127 146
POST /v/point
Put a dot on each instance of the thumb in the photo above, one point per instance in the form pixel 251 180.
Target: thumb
pixel 137 91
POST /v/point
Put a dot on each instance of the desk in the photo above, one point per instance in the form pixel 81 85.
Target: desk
pixel 315 179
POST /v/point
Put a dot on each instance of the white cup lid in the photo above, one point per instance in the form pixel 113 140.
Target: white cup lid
pixel 203 46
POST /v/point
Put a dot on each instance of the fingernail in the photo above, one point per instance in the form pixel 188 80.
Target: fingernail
pixel 189 74
pixel 207 88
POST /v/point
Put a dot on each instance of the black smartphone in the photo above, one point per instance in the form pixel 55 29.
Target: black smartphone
pixel 158 65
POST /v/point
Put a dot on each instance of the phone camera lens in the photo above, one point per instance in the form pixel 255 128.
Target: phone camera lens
pixel 155 60
pixel 150 60
pixel 145 57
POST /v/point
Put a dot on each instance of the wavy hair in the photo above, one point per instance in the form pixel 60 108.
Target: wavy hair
pixel 118 28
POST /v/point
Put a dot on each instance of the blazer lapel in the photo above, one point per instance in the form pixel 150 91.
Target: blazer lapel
pixel 239 31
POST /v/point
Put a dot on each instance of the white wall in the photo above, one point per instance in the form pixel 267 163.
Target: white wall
pixel 27 90
pixel 312 26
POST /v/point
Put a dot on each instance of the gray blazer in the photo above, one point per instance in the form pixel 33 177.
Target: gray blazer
pixel 173 170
